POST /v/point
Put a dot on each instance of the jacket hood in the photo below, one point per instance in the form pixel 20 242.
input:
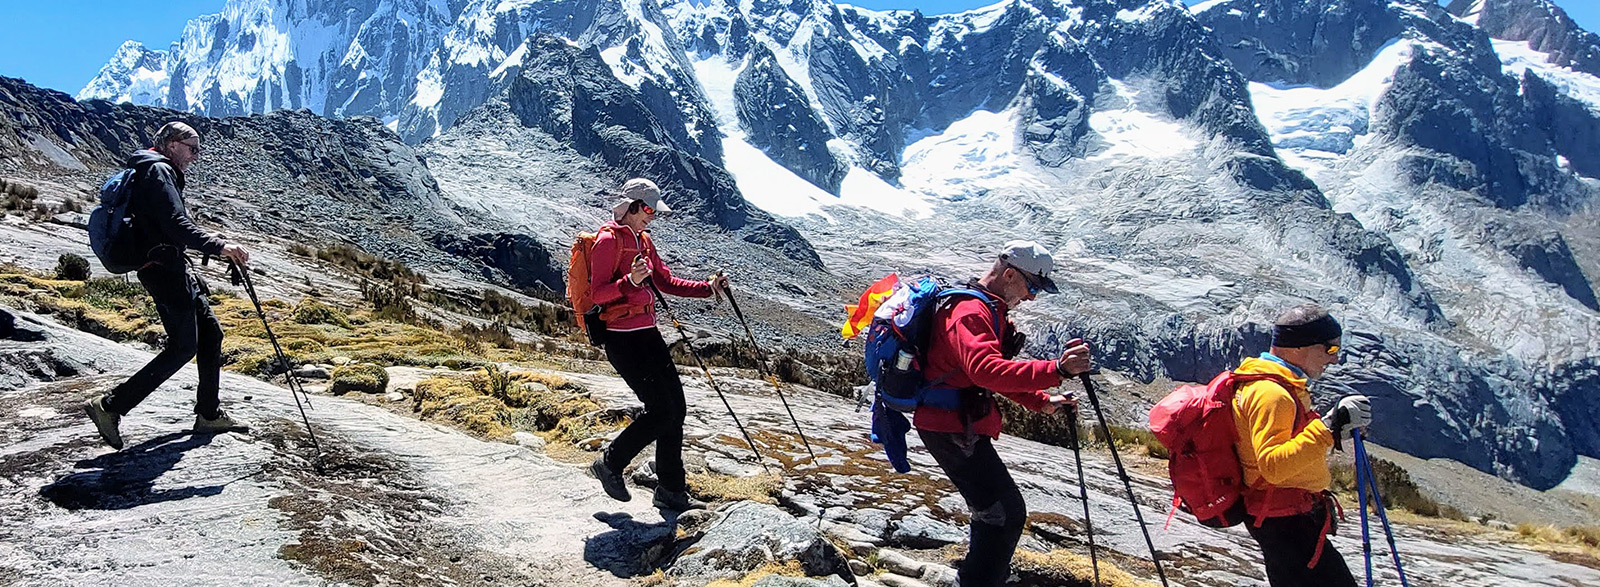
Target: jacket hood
pixel 145 156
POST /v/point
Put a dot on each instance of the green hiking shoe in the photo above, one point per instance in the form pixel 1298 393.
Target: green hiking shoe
pixel 221 423
pixel 106 421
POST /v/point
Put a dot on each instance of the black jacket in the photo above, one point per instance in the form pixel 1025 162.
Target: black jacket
pixel 161 224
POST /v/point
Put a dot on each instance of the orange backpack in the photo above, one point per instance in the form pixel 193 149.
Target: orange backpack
pixel 578 279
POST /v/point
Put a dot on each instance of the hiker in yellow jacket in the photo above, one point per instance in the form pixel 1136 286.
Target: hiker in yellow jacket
pixel 1283 445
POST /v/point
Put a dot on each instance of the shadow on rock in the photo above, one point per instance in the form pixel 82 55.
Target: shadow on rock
pixel 128 478
pixel 632 548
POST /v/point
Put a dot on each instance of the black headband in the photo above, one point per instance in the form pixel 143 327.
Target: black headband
pixel 1313 333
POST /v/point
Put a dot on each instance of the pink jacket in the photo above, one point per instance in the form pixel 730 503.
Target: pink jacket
pixel 629 306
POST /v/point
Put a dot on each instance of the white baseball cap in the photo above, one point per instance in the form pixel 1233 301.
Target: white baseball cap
pixel 1028 257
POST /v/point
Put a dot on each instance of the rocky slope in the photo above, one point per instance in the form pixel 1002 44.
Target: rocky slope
pixel 1200 169
pixel 391 499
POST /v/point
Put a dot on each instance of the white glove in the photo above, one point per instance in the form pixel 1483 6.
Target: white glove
pixel 1353 411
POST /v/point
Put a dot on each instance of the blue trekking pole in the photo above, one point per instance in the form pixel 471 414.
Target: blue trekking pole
pixel 1377 500
pixel 1361 494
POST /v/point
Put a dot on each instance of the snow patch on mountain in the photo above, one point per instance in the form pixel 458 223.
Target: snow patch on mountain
pixel 1312 128
pixel 1133 132
pixel 973 156
pixel 1517 57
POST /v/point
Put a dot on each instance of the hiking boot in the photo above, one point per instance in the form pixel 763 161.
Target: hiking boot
pixel 221 423
pixel 678 501
pixel 610 480
pixel 105 421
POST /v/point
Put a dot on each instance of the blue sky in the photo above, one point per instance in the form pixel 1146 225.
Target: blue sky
pixel 61 44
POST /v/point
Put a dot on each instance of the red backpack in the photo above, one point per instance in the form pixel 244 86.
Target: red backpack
pixel 1195 423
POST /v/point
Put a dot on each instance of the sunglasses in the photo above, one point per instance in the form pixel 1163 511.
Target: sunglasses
pixel 646 208
pixel 1333 349
pixel 1035 286
pixel 193 147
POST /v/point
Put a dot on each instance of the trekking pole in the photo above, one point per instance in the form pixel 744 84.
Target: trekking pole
pixel 1127 483
pixel 1361 495
pixel 684 334
pixel 1083 494
pixel 1377 500
pixel 761 361
pixel 295 389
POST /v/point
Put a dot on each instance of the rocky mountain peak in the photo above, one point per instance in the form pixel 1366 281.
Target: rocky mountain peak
pixel 1543 25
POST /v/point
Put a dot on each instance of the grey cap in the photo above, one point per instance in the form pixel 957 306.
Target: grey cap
pixel 1028 257
pixel 643 190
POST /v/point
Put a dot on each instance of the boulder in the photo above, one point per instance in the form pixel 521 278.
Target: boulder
pixel 921 532
pixel 747 535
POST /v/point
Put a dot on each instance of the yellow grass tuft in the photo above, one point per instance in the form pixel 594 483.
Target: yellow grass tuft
pixel 1061 567
pixel 717 487
pixel 787 569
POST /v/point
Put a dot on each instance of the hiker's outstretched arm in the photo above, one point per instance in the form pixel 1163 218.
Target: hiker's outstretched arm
pixel 167 210
pixel 1283 457
pixel 672 285
pixel 1023 382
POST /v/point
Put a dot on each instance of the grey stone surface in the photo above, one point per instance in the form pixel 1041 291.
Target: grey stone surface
pixel 922 532
pixel 746 535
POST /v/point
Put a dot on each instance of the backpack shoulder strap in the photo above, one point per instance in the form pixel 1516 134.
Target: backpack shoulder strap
pixel 989 301
pixel 1301 418
pixel 947 294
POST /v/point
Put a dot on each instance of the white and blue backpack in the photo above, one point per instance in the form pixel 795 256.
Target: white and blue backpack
pixel 896 351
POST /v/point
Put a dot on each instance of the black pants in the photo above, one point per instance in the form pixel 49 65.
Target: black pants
pixel 642 359
pixel 998 512
pixel 192 333
pixel 1289 542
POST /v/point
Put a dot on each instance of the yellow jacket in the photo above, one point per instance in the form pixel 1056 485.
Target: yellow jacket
pixel 1264 415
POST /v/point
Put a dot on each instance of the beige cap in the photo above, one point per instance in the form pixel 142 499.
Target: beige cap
pixel 643 190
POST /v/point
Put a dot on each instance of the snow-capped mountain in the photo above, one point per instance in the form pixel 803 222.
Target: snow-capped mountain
pixel 1428 172
pixel 336 57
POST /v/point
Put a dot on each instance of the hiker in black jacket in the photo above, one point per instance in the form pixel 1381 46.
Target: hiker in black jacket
pixel 163 230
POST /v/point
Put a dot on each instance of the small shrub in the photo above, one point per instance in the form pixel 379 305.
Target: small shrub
pixel 1396 487
pixel 1586 535
pixel 311 311
pixel 302 250
pixel 495 334
pixel 362 377
pixel 71 267
pixel 391 301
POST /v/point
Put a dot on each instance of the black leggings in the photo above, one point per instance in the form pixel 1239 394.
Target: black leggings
pixel 192 333
pixel 1287 545
pixel 642 359
pixel 998 512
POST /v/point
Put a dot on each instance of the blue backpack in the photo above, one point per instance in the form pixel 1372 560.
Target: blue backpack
pixel 896 348
pixel 110 233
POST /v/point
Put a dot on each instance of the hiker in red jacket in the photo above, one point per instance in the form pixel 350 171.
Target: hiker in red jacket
pixel 622 268
pixel 965 349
